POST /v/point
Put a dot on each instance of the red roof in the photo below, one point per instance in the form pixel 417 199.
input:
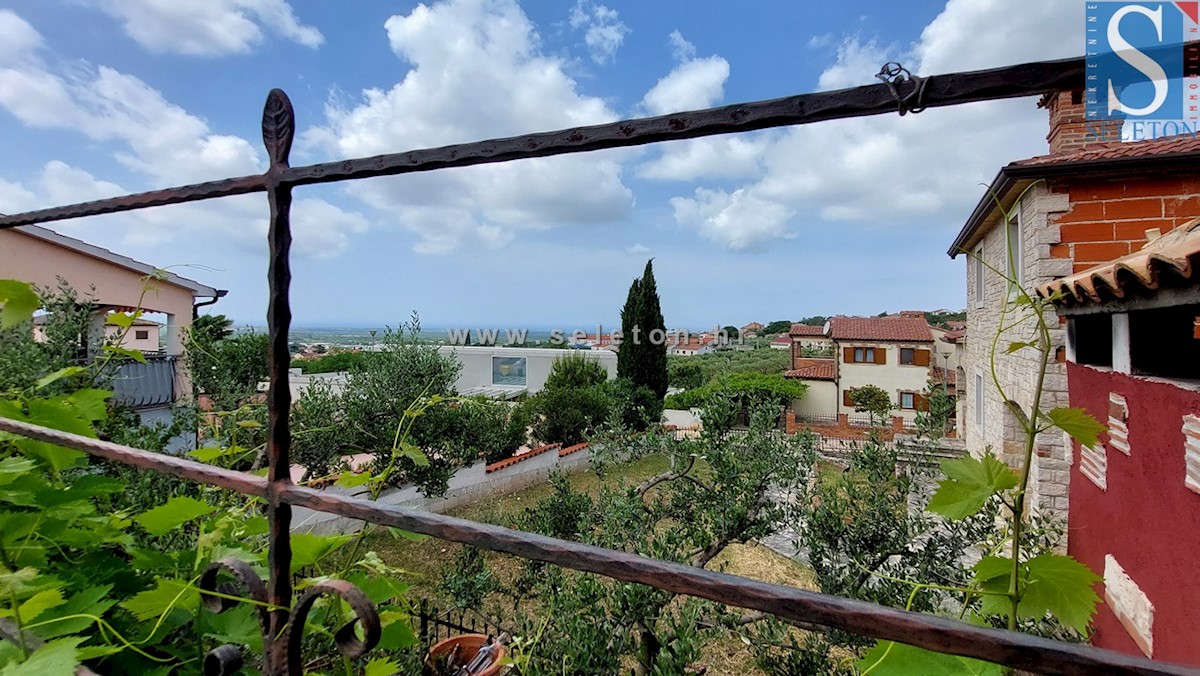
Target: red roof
pixel 781 340
pixel 806 330
pixel 954 336
pixel 887 329
pixel 1110 151
pixel 813 369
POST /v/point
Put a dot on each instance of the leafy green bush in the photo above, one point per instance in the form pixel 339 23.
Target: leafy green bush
pixel 575 370
pixel 633 407
pixel 331 363
pixel 745 389
pixel 230 369
pixel 568 415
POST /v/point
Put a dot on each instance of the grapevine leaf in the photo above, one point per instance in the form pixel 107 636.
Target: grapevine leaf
pixel 167 594
pixel 91 601
pixel 381 667
pixel 174 513
pixel 39 603
pixel 413 453
pixel 353 479
pixel 19 300
pixel 968 484
pixel 401 534
pixel 308 548
pixel 208 453
pixel 1078 423
pixel 14 467
pixel 238 625
pixel 58 375
pixel 119 319
pixel 1061 586
pixel 118 351
pixel 990 567
pixel 1019 345
pixel 397 631
pixel 89 403
pixel 887 658
pixel 56 658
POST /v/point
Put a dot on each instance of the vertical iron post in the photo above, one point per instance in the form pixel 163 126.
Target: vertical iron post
pixel 278 131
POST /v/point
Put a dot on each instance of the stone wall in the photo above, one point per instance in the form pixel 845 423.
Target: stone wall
pixel 1017 373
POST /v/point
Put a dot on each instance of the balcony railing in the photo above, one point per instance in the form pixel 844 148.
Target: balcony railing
pixel 145 385
pixel 281 656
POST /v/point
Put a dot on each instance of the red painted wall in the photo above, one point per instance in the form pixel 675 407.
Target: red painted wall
pixel 1146 519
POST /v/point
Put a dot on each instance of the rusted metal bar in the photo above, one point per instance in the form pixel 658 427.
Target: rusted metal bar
pixel 239 482
pixel 278 129
pixel 157 198
pixel 940 634
pixel 927 631
pixel 1026 79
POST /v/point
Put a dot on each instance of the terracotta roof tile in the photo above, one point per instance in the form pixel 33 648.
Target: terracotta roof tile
pixel 1109 151
pixel 806 330
pixel 813 369
pixel 893 329
pixel 1170 260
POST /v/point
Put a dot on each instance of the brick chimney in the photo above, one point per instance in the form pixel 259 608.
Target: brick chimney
pixel 1069 127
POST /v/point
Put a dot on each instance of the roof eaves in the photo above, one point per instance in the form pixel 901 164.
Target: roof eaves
pixel 117 259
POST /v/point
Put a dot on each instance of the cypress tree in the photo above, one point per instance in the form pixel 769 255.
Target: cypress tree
pixel 641 361
pixel 629 319
pixel 652 358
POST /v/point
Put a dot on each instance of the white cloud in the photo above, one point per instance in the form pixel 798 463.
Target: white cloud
pixel 891 172
pixel 603 30
pixel 697 83
pixel 207 27
pixel 638 249
pixel 739 221
pixel 857 63
pixel 483 52
pixel 18 39
pixel 693 83
pixel 158 140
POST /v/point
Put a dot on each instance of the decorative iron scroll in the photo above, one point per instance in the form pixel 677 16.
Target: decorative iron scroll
pixel 227 659
pixel 895 77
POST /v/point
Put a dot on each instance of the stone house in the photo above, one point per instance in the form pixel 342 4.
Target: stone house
pixel 1042 218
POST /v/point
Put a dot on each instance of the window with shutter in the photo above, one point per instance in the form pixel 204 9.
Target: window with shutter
pixel 908 400
pixel 908 356
pixel 921 358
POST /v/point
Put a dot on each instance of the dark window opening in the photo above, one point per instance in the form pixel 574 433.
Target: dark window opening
pixel 908 355
pixel 1162 342
pixel 1092 337
pixel 142 335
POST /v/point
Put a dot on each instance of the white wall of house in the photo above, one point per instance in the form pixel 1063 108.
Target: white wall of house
pixel 480 367
pixel 821 398
pixel 891 376
pixel 987 420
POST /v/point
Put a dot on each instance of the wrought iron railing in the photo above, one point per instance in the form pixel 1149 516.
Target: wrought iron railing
pixel 283 616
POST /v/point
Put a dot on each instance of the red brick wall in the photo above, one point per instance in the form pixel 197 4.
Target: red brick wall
pixel 1109 218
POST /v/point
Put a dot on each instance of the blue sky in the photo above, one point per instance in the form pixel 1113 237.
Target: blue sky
pixel 99 97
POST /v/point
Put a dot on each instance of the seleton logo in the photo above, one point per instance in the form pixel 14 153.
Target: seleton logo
pixel 1141 69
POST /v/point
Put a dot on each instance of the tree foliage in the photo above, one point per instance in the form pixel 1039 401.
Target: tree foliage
pixel 716 492
pixel 695 371
pixel 641 357
pixel 227 369
pixel 872 400
pixel 778 326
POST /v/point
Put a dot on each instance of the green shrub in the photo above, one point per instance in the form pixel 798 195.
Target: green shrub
pixel 633 407
pixel 575 370
pixel 569 415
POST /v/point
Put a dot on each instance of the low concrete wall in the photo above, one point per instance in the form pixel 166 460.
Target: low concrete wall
pixel 468 485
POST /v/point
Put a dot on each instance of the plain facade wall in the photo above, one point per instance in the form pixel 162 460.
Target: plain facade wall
pixel 993 425
pixel 891 376
pixel 477 363
pixel 821 398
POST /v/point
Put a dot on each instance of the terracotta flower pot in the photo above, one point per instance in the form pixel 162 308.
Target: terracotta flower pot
pixel 469 644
